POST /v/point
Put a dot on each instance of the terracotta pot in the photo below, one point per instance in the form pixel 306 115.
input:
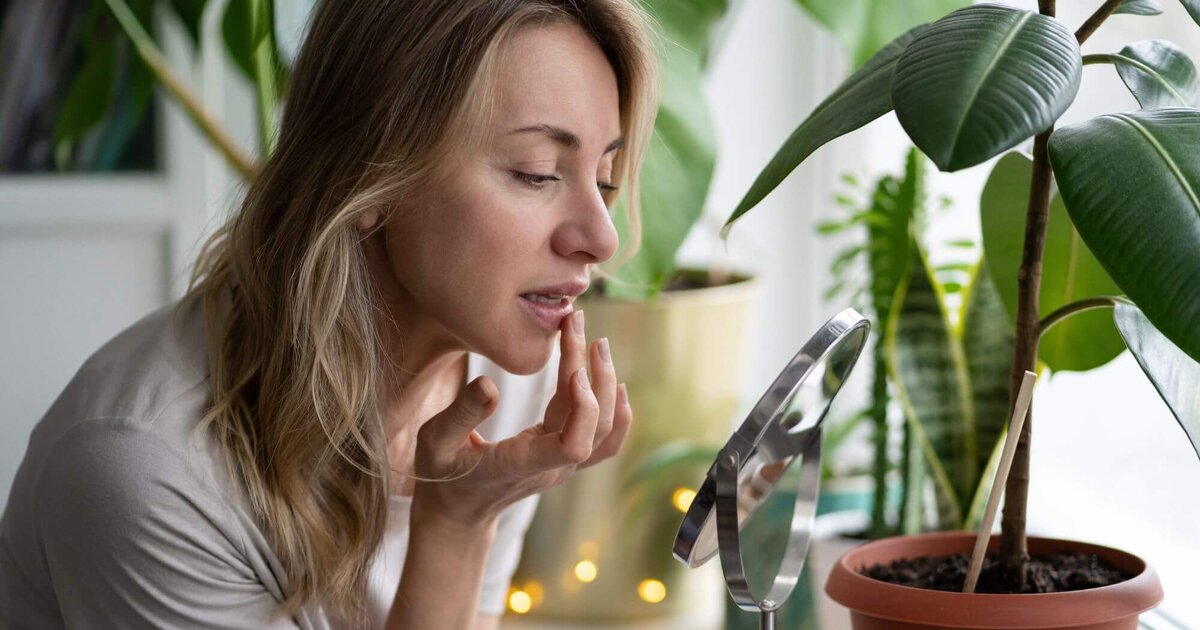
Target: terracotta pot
pixel 876 605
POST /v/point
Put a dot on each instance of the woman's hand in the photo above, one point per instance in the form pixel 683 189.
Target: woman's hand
pixel 583 424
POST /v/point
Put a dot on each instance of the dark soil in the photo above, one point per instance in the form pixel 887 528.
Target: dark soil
pixel 1051 574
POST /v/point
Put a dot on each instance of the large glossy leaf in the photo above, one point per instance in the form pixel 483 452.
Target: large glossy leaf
pixel 190 13
pixel 982 80
pixel 679 162
pixel 987 341
pixel 930 376
pixel 861 98
pixel 1157 72
pixel 1131 183
pixel 1069 270
pixel 1139 7
pixel 1174 374
pixel 865 26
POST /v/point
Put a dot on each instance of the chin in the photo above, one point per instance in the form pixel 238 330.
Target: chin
pixel 529 358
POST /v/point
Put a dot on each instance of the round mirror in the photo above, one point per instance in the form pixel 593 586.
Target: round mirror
pixel 763 486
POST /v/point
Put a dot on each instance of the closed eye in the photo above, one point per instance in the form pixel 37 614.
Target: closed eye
pixel 534 180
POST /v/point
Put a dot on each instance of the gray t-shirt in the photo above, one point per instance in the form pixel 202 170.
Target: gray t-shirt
pixel 123 516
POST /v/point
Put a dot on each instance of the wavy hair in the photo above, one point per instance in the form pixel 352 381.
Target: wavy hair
pixel 382 92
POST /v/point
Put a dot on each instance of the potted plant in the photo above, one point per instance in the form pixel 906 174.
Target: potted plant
pixel 967 88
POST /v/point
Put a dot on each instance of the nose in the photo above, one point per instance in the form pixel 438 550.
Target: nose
pixel 587 232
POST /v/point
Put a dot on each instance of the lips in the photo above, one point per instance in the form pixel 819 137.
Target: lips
pixel 549 304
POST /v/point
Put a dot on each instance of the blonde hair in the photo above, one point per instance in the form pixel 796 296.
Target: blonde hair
pixel 381 93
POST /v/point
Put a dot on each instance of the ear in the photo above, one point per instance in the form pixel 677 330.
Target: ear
pixel 367 220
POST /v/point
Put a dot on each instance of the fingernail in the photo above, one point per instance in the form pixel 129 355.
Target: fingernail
pixel 577 323
pixel 582 379
pixel 604 352
pixel 623 394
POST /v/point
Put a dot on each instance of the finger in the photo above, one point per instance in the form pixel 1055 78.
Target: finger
pixel 622 421
pixel 448 430
pixel 572 357
pixel 580 431
pixel 604 387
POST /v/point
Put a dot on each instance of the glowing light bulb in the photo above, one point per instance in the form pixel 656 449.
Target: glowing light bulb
pixel 519 602
pixel 682 499
pixel 652 591
pixel 585 571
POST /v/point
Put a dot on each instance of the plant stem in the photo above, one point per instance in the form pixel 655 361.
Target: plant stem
pixel 1013 548
pixel 1080 306
pixel 157 63
pixel 880 467
pixel 1096 19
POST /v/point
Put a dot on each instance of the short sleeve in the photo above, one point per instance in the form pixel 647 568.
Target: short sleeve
pixel 136 537
pixel 505 554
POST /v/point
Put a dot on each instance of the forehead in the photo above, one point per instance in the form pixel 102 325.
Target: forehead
pixel 558 75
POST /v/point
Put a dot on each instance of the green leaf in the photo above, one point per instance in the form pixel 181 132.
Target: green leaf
pixel 1131 183
pixel 987 340
pixel 1069 270
pixel 861 98
pixel 890 241
pixel 982 80
pixel 238 32
pixel 1193 9
pixel 90 94
pixel 1157 72
pixel 1139 7
pixel 1175 375
pixel 679 162
pixel 190 12
pixel 865 26
pixel 929 373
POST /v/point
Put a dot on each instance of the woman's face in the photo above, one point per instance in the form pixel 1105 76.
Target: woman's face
pixel 524 215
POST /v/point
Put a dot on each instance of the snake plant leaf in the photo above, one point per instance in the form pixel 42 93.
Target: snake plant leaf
pixel 860 99
pixel 1131 183
pixel 930 376
pixel 1069 270
pixel 679 162
pixel 1157 72
pixel 1174 374
pixel 865 26
pixel 1139 7
pixel 982 80
pixel 987 341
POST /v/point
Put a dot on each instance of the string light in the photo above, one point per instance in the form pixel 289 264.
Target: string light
pixel 652 591
pixel 585 571
pixel 536 593
pixel 519 602
pixel 682 499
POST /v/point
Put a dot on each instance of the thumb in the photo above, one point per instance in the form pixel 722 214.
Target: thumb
pixel 477 402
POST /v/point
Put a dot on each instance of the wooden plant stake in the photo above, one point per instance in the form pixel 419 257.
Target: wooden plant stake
pixel 1006 458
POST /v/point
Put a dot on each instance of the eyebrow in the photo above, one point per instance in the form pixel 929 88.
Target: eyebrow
pixel 564 137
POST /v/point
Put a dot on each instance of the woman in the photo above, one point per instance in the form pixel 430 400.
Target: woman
pixel 297 444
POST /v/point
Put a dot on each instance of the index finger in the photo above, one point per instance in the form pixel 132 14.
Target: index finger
pixel 572 357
